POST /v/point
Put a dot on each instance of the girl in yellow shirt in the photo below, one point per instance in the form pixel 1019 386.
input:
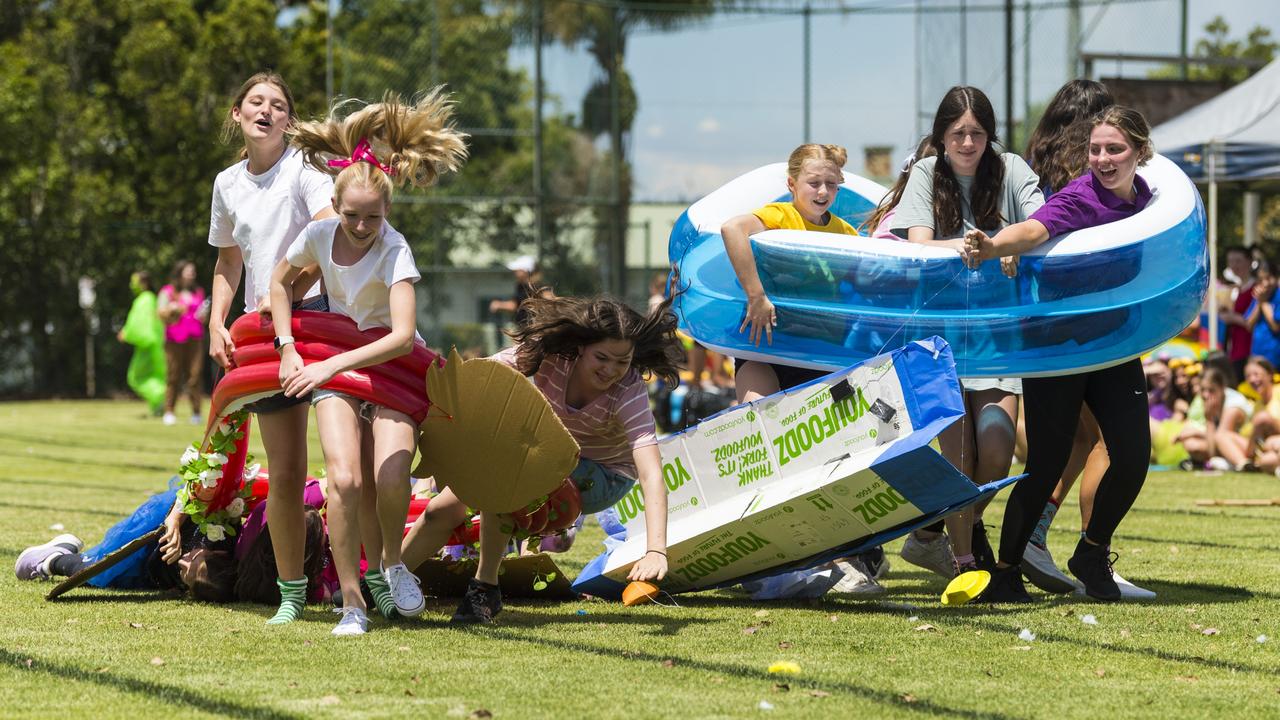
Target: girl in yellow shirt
pixel 814 176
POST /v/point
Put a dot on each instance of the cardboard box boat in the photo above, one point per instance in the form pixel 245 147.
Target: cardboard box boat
pixel 803 476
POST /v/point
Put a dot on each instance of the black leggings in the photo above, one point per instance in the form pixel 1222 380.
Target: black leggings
pixel 1118 398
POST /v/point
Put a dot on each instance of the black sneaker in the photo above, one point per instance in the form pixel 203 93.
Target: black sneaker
pixel 1005 587
pixel 1092 565
pixel 983 556
pixel 480 604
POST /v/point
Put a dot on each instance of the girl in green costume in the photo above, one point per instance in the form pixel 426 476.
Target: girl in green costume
pixel 145 332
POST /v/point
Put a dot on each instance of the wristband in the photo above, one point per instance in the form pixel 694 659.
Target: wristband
pixel 282 340
pixel 646 552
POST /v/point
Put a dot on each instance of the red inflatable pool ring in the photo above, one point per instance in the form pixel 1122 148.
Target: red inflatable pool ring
pixel 399 384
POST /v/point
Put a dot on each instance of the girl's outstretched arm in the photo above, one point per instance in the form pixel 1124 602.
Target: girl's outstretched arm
pixel 392 345
pixel 653 565
pixel 1016 239
pixel 226 278
pixel 760 317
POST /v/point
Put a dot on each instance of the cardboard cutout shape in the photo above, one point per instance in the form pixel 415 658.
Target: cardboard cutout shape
pixel 106 563
pixel 491 436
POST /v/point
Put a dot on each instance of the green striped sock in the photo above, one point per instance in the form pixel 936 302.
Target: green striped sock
pixel 381 592
pixel 293 597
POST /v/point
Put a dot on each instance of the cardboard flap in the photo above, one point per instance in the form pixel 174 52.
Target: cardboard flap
pixel 495 441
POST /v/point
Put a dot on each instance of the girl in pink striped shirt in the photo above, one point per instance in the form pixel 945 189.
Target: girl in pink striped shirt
pixel 590 358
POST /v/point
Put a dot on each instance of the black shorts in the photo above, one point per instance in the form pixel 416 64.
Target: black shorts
pixel 280 401
pixel 788 376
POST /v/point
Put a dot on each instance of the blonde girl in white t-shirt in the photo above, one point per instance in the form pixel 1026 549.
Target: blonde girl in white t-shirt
pixel 368 273
pixel 259 206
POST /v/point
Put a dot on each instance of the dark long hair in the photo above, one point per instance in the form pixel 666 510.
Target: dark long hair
pixel 1057 150
pixel 562 326
pixel 988 182
pixel 257 575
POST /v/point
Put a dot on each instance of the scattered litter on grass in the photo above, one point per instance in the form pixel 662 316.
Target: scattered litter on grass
pixel 784 645
pixel 1126 634
pixel 834 618
pixel 102 669
pixel 479 714
pixel 403 648
pixel 1026 635
pixel 1021 647
pixel 1188 678
pixel 408 692
pixel 135 626
pixel 1262 638
pixel 1100 672
pixel 784 667
pixel 1173 549
pixel 668 663
pixel 157 661
pixel 580 612
pixel 926 628
pixel 1209 631
pixel 1089 620
pixel 819 693
pixel 781 687
pixel 57 527
pixel 765 705
pixel 330 700
pixel 762 613
pixel 913 618
pixel 907 698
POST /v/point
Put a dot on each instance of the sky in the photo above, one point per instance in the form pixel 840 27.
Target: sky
pixel 725 96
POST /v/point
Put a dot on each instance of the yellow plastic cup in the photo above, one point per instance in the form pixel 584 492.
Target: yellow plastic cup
pixel 965 587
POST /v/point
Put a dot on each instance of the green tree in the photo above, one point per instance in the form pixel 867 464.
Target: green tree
pixel 610 103
pixel 1217 43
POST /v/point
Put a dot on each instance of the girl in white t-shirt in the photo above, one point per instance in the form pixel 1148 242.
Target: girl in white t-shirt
pixel 259 206
pixel 368 274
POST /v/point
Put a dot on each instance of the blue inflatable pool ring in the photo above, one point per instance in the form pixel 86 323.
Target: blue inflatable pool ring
pixel 1084 300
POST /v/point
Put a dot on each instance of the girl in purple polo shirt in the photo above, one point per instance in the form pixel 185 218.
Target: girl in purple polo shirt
pixel 1118 144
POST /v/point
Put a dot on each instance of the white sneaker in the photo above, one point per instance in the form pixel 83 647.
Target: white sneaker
pixel 33 563
pixel 934 555
pixel 196 419
pixel 404 590
pixel 1043 572
pixel 353 622
pixel 1217 463
pixel 1129 591
pixel 856 580
pixel 170 419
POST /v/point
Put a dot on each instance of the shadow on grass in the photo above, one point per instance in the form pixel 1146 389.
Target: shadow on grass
pixel 62 509
pixel 60 484
pixel 109 444
pixel 1049 636
pixel 1195 543
pixel 1208 513
pixel 168 694
pixel 884 697
pixel 88 595
pixel 115 466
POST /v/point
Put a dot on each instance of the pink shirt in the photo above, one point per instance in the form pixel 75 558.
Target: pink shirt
pixel 610 427
pixel 188 327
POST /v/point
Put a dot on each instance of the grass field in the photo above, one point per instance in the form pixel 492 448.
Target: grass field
pixel 1196 652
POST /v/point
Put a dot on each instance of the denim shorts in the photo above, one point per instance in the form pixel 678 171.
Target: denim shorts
pixel 599 486
pixel 280 401
pixel 364 408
